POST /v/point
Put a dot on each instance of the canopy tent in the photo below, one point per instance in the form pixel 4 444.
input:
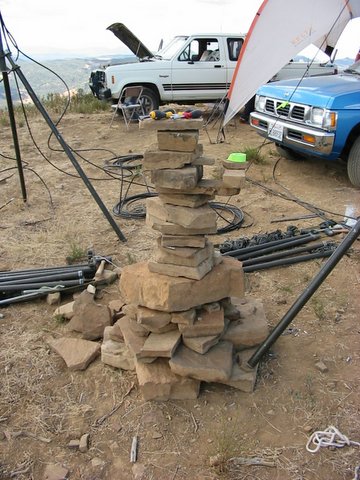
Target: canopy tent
pixel 279 31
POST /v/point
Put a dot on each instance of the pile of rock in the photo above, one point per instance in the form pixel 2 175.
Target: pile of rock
pixel 185 318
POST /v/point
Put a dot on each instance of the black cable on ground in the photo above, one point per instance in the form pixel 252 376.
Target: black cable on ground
pixel 122 208
pixel 237 216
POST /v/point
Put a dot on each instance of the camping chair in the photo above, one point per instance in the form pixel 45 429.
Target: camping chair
pixel 130 104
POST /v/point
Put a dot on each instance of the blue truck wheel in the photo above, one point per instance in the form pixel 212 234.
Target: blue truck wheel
pixel 353 164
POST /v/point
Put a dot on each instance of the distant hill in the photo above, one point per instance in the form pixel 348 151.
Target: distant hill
pixel 75 72
pixel 340 62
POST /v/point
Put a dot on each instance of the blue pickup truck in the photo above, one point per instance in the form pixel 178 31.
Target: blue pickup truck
pixel 316 117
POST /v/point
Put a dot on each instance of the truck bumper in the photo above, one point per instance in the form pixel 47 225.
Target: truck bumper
pixel 299 137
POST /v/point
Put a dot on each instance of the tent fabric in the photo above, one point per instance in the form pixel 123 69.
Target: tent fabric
pixel 279 31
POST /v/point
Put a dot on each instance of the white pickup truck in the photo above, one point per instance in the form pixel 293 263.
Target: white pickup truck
pixel 190 69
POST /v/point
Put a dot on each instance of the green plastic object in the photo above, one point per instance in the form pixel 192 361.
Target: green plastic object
pixel 237 157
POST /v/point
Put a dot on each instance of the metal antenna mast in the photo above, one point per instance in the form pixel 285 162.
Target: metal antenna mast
pixel 16 69
pixel 5 75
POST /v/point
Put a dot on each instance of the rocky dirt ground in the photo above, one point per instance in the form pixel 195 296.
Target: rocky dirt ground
pixel 43 405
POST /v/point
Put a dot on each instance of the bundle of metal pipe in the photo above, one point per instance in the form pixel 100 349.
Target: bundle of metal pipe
pixel 260 257
pixel 22 285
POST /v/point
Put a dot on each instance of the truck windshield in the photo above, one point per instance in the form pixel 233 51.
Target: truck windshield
pixel 171 48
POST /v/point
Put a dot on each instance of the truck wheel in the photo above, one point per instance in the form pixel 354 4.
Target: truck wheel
pixel 288 153
pixel 149 100
pixel 353 164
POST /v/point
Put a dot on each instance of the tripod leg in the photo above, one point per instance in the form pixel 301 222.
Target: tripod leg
pixel 67 149
pixel 7 90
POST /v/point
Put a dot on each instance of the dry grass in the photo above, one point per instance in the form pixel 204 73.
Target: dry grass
pixel 40 397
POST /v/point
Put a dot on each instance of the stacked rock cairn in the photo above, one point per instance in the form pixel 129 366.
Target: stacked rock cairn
pixel 185 318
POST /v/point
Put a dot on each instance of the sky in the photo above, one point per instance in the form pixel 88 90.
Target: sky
pixel 79 26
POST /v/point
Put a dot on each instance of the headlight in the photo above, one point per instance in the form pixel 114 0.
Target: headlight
pixel 317 116
pixel 260 103
pixel 323 118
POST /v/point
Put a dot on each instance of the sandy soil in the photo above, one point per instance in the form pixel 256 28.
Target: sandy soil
pixel 43 405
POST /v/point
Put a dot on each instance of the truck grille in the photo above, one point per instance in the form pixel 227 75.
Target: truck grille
pixel 98 76
pixel 285 109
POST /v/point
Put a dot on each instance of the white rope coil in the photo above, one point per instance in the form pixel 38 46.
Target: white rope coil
pixel 331 437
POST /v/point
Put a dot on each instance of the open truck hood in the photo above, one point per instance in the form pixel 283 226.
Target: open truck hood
pixel 129 39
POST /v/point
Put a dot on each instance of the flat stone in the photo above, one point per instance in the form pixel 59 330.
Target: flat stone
pixel 184 318
pixel 213 366
pixel 235 165
pixel 158 382
pixel 196 273
pixel 74 444
pixel 138 329
pixel 197 241
pixel 203 187
pixel 204 161
pixel 154 320
pixel 246 305
pixel 161 344
pixel 84 443
pixel 206 324
pixel 174 294
pixel 89 317
pixel 185 178
pixel 133 342
pixel 212 307
pixel 234 178
pixel 107 331
pixel 114 332
pixel 168 228
pixel 251 329
pixel 130 310
pixel 55 472
pixel 183 200
pixel 180 141
pixel 115 307
pixel 201 344
pixel 76 353
pixel 159 159
pixel 231 311
pixel 66 310
pixel 243 379
pixel 321 366
pixel 53 298
pixel 171 124
pixel 186 256
pixel 117 355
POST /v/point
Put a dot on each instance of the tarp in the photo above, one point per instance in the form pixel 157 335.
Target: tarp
pixel 279 31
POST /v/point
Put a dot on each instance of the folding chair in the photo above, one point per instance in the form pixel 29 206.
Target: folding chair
pixel 130 104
